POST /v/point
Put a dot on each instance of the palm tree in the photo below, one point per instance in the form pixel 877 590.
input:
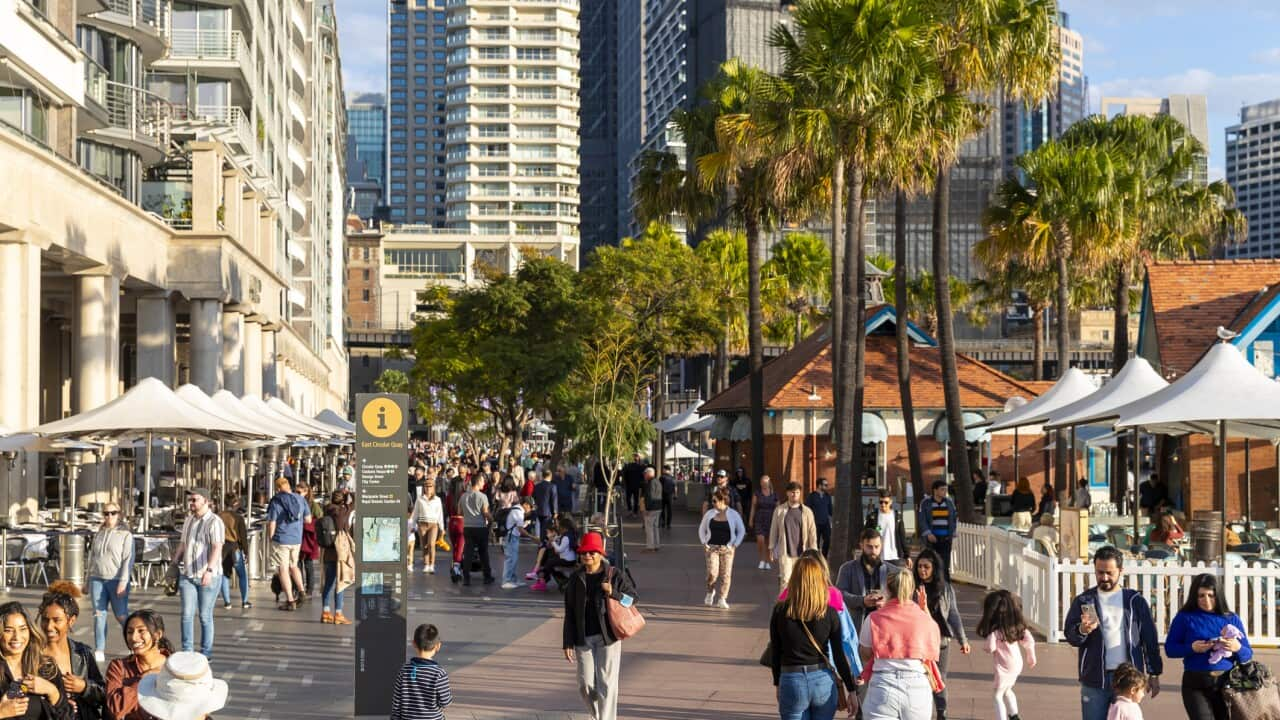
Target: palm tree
pixel 796 283
pixel 983 46
pixel 724 253
pixel 667 184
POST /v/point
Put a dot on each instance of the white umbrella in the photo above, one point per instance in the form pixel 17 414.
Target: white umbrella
pixel 329 417
pixel 703 425
pixel 679 451
pixel 280 423
pixel 320 430
pixel 1073 386
pixel 1135 380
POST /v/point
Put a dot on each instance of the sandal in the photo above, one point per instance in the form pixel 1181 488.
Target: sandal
pixel 289 606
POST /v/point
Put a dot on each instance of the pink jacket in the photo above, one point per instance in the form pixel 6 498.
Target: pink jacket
pixel 1007 656
pixel 835 598
pixel 1124 709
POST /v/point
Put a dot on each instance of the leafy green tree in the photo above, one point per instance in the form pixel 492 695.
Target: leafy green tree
pixel 724 257
pixel 796 282
pixel 502 349
pixel 392 381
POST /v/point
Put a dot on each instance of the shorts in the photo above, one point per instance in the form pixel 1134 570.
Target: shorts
pixel 285 555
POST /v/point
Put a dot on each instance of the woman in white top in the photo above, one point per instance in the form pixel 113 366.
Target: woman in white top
pixel 428 512
pixel 721 532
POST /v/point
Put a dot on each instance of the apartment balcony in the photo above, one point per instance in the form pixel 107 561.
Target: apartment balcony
pixel 135 119
pixel 93 115
pixel 297 253
pixel 296 113
pixel 299 208
pixel 298 159
pixel 217 53
pixel 299 67
pixel 228 123
pixel 36 55
pixel 142 21
pixel 168 200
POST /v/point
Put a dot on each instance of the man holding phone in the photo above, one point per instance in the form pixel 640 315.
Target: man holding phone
pixel 1111 625
pixel 861 580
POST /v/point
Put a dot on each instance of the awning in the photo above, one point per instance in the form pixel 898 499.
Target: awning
pixel 680 421
pixel 1135 380
pixel 1073 386
pixel 874 429
pixel 721 427
pixel 741 429
pixel 974 432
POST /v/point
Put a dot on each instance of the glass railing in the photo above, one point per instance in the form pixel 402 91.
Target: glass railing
pixel 95 82
pixel 169 200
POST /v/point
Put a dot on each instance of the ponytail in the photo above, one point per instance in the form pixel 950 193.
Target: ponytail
pixel 900 585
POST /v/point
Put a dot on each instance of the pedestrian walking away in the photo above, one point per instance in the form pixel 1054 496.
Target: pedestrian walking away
pixel 309 550
pixel 898 643
pixel 791 532
pixel 110 568
pixel 200 576
pixel 46 694
pixel 421 690
pixel 1130 687
pixel 1209 639
pixel 940 603
pixel 633 483
pixel 1110 625
pixel 337 550
pixel 546 497
pixel 721 532
pixel 286 514
pixel 1024 504
pixel 475 528
pixel 821 503
pixel 804 637
pixel 1007 637
pixel 761 522
pixel 81 677
pixel 938 523
pixel 888 522
pixel 234 551
pixel 453 508
pixel 668 495
pixel 651 510
pixel 589 640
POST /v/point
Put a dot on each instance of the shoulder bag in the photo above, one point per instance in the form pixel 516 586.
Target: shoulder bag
pixel 842 696
pixel 624 621
pixel 1249 691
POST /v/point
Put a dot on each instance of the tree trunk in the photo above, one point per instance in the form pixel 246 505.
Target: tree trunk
pixel 857 239
pixel 1037 342
pixel 1062 308
pixel 557 449
pixel 837 282
pixel 904 342
pixel 799 328
pixel 722 361
pixel 755 341
pixel 959 460
pixel 844 526
pixel 1120 334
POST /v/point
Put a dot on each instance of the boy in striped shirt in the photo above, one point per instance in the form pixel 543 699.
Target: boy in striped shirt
pixel 422 687
pixel 938 523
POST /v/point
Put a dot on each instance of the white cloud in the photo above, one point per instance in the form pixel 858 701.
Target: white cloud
pixel 362 36
pixel 1225 93
pixel 1267 57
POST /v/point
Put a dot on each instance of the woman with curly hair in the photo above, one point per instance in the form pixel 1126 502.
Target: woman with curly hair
pixel 59 611
pixel 26 671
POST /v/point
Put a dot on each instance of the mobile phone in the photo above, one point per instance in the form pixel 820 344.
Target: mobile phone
pixel 627 600
pixel 1088 613
pixel 15 690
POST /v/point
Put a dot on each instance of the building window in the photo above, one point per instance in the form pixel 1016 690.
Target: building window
pixel 364 294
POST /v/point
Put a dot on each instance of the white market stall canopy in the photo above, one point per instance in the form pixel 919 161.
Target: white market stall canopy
pixel 678 451
pixel 196 397
pixel 1073 386
pixel 329 417
pixel 232 407
pixel 1135 381
pixel 1223 386
pixel 680 421
pixel 148 407
pixel 277 422
pixel 320 429
pixel 35 443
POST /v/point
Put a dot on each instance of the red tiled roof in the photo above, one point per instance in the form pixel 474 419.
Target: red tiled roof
pixel 1190 299
pixel 792 377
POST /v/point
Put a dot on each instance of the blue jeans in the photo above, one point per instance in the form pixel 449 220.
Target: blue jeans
pixel 1095 702
pixel 331 586
pixel 512 559
pixel 103 593
pixel 192 594
pixel 242 578
pixel 807 695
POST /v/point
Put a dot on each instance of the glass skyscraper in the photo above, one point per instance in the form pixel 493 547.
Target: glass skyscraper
pixel 366 154
pixel 416 73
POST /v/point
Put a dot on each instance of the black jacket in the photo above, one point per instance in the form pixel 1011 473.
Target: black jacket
pixel 899 529
pixel 92 703
pixel 1142 644
pixel 577 605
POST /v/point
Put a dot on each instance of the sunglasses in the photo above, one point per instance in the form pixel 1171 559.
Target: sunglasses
pixel 111 512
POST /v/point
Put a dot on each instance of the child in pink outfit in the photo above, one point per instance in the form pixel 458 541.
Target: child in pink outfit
pixel 1130 686
pixel 1006 632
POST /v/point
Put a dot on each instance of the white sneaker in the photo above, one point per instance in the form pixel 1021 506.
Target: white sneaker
pixel 722 604
pixel 509 586
pixel 430 569
pixel 768 566
pixel 102 657
pixel 760 565
pixel 710 599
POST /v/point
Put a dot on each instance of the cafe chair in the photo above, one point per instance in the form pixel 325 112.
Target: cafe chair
pixel 14 547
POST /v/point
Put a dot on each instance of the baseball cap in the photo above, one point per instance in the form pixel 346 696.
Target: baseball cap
pixel 202 492
pixel 721 473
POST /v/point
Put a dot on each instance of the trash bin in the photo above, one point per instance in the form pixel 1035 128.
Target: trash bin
pixel 71 557
pixel 255 565
pixel 1206 536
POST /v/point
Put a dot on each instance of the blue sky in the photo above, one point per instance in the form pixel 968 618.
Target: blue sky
pixel 1228 50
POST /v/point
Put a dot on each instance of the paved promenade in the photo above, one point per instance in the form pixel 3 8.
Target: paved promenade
pixel 502 650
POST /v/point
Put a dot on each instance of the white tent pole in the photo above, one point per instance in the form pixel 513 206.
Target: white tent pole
pixel 1137 474
pixel 1222 487
pixel 146 488
pixel 1015 454
pixel 222 475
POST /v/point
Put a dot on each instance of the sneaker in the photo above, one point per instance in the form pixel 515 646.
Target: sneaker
pixel 99 656
pixel 710 599
pixel 509 586
pixel 246 605
pixel 226 606
pixel 540 586
pixel 760 565
pixel 768 566
pixel 430 569
pixel 531 575
pixel 339 619
pixel 722 604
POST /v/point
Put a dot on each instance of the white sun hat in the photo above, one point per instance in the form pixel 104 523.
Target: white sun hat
pixel 184 689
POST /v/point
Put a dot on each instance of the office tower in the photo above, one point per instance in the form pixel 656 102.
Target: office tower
pixel 599 63
pixel 630 104
pixel 173 192
pixel 1190 110
pixel 1027 127
pixel 512 149
pixel 416 67
pixel 366 154
pixel 1255 177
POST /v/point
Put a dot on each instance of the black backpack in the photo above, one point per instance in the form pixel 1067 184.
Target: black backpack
pixel 327 532
pixel 500 521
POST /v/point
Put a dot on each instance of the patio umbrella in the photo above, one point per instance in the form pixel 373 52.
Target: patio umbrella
pixel 682 420
pixel 319 429
pixel 1222 395
pixel 197 397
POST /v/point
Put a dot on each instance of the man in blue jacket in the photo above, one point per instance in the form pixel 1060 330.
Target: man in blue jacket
pixel 1111 625
pixel 938 524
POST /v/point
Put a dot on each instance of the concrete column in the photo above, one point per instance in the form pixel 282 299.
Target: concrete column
pixel 206 345
pixel 233 352
pixel 231 211
pixel 156 342
pixel 206 186
pixel 96 344
pixel 266 251
pixel 253 359
pixel 20 321
pixel 270 376
pixel 249 209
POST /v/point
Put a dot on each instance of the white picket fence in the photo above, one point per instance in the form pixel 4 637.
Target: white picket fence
pixel 996 558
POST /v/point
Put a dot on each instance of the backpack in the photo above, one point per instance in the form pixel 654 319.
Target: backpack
pixel 500 521
pixel 327 532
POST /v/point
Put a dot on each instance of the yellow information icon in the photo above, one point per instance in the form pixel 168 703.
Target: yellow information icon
pixel 382 417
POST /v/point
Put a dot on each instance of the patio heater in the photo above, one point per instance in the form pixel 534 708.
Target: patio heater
pixel 250 464
pixel 70 543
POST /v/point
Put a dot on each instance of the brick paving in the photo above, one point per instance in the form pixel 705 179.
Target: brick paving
pixel 502 650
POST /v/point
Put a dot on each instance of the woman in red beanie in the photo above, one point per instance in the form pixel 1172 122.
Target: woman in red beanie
pixel 588 639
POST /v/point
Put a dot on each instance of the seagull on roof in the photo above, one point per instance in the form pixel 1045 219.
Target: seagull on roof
pixel 1225 335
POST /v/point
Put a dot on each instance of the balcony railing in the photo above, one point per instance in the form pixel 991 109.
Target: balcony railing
pixel 139 13
pixel 95 82
pixel 143 115
pixel 232 117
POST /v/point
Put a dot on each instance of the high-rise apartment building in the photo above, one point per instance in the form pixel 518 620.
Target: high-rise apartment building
pixel 513 128
pixel 173 203
pixel 1253 172
pixel 599 118
pixel 417 58
pixel 366 154
pixel 1190 110
pixel 1028 126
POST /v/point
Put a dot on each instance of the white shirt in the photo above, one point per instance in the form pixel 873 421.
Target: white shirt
pixel 515 519
pixel 428 510
pixel 995 487
pixel 1112 606
pixel 199 535
pixel 888 536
